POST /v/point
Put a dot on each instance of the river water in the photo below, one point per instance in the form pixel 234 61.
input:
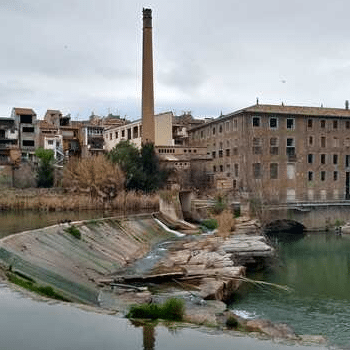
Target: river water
pixel 317 268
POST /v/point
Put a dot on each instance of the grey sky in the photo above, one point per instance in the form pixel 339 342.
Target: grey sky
pixel 210 56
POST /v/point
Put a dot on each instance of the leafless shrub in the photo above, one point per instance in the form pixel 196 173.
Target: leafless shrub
pixel 95 176
pixel 226 223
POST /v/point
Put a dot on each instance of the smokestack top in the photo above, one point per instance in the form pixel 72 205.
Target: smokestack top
pixel 147 18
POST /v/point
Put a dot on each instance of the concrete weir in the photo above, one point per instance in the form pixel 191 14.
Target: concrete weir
pixel 53 256
pixel 106 252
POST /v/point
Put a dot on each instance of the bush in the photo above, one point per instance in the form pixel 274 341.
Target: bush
pixel 232 322
pixel 173 309
pixel 74 231
pixel 210 224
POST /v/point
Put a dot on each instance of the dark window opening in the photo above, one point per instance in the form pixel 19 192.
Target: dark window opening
pixel 256 121
pixel 311 140
pixel 28 129
pixel 323 141
pixel 309 123
pixel 323 159
pixel 347 160
pixel 2 134
pixel 26 119
pixel 290 123
pixel 310 158
pixel 273 123
pixel 323 175
pixel 310 175
pixel 335 175
pixel 227 152
pixel 322 124
pixel 28 143
pixel 347 124
pixel 335 124
pixel 335 159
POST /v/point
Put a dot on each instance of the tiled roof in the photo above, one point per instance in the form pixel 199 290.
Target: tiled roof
pixel 24 111
pixel 299 110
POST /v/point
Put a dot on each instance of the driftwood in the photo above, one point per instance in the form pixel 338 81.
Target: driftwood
pixel 156 278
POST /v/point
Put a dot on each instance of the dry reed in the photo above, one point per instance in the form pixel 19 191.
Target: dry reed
pixel 226 223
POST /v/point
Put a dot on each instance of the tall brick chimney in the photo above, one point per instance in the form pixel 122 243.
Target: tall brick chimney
pixel 148 128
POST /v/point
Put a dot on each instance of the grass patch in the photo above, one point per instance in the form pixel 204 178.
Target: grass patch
pixel 30 284
pixel 74 231
pixel 210 224
pixel 173 309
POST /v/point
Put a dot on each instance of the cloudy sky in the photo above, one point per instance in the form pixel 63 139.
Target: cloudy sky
pixel 209 56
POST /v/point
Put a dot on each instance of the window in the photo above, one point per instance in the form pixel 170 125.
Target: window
pixel 290 171
pixel 310 158
pixel 236 170
pixel 256 121
pixel 311 140
pixel 123 133
pixel 235 151
pixel 135 132
pixel 214 154
pixel 347 160
pixel 214 131
pixel 323 175
pixel 274 171
pixel 220 128
pixel 227 126
pixel 309 123
pixel 273 123
pixel 227 152
pixel 50 142
pixel 129 134
pixel 323 141
pixel 257 149
pixel 28 143
pixel 335 175
pixel 335 142
pixel 323 159
pixel 221 168
pixel 257 171
pixel 274 146
pixel 290 150
pixel 310 176
pixel 290 194
pixel 116 134
pixel 202 134
pixel 335 159
pixel 290 123
pixel 235 124
pixel 110 136
pixel 347 142
pixel 322 124
pixel 347 124
pixel 220 153
pixel 214 168
pixel 335 124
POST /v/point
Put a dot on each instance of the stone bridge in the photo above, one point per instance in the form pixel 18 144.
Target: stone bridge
pixel 313 215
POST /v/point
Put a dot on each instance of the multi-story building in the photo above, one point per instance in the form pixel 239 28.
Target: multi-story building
pixel 133 132
pixel 26 124
pixel 281 153
pixel 9 149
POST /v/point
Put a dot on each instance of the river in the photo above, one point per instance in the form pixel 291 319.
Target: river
pixel 317 267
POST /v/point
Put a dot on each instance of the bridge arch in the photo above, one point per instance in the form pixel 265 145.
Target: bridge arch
pixel 287 226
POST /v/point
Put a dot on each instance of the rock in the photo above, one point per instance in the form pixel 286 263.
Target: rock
pixel 273 330
pixel 312 339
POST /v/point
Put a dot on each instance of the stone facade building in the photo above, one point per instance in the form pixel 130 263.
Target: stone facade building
pixel 281 153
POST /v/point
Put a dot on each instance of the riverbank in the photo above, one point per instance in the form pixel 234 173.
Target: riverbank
pixel 57 199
